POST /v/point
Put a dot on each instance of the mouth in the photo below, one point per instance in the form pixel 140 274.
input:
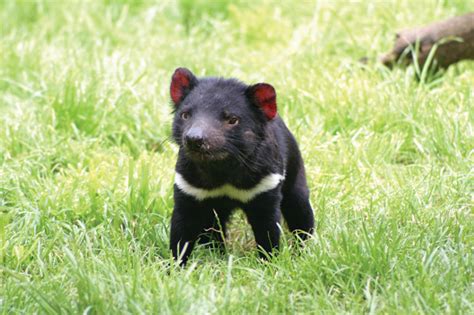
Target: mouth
pixel 206 155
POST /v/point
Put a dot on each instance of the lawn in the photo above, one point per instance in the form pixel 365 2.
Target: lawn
pixel 87 165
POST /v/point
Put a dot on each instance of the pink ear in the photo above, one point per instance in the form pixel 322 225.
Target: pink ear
pixel 182 82
pixel 265 97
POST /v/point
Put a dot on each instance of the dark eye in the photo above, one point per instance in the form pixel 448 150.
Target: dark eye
pixel 233 121
pixel 185 115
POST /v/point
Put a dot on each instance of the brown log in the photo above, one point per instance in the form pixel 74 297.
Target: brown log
pixel 453 39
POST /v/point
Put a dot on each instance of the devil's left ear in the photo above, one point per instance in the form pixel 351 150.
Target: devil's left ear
pixel 182 82
pixel 263 95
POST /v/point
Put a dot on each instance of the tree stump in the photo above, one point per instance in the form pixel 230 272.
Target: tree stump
pixel 453 40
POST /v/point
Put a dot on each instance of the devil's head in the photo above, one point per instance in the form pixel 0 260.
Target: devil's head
pixel 216 118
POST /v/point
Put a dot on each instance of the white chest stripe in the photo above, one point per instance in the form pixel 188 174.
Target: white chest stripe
pixel 267 183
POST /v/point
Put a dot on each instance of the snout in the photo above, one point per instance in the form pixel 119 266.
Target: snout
pixel 196 143
pixel 204 144
pixel 196 139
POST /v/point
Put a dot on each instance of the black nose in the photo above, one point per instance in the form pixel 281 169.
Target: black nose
pixel 194 142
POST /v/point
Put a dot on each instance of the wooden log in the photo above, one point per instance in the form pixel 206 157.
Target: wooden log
pixel 453 40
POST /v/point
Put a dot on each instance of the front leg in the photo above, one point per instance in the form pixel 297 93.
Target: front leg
pixel 263 214
pixel 187 222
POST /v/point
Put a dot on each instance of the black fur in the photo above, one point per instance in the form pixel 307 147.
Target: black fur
pixel 214 150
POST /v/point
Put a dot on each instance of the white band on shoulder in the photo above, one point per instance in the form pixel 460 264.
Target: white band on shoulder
pixel 267 183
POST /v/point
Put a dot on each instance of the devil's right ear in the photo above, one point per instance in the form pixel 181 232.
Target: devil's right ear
pixel 182 82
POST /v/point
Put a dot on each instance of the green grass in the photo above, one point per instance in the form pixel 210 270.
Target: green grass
pixel 86 165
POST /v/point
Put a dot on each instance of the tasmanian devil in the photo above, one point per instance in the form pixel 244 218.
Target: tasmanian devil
pixel 234 152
